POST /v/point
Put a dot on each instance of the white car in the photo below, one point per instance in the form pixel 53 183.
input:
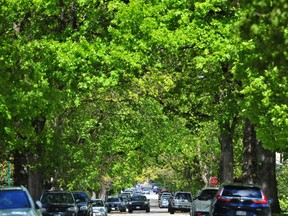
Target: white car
pixel 202 202
pixel 99 208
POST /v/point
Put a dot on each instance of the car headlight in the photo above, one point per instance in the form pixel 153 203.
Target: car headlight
pixel 74 209
pixel 83 208
pixel 146 202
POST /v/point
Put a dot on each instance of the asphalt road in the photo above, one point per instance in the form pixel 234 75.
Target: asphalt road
pixel 154 209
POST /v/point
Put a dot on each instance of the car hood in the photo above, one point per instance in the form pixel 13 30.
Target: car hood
pixel 18 212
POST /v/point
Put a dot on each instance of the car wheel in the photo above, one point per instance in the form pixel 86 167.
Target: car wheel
pixel 130 210
pixel 148 210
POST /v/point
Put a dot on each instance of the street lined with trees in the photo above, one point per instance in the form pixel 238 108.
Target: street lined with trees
pixel 99 94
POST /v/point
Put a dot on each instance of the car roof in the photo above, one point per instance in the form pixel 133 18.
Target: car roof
pixel 13 188
pixel 240 185
pixel 60 191
pixel 210 188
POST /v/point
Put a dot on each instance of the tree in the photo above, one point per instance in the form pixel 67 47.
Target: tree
pixel 262 72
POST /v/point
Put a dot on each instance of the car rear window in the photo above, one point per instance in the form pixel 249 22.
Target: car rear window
pixel 183 196
pixel 97 203
pixel 57 198
pixel 208 193
pixel 113 199
pixel 242 192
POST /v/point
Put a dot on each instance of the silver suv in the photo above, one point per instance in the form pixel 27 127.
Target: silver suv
pixel 182 201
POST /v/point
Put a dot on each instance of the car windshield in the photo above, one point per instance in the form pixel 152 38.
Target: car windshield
pixel 139 198
pixel 14 199
pixel 57 198
pixel 97 203
pixel 242 192
pixel 113 199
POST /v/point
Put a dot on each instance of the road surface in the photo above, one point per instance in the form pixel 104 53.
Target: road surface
pixel 154 209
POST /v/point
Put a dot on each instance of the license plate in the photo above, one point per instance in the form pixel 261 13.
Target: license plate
pixel 112 209
pixel 241 213
pixel 137 207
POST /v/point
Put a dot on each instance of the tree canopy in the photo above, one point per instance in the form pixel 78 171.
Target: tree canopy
pixel 95 92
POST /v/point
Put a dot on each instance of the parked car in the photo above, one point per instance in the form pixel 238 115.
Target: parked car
pixel 17 201
pixel 201 203
pixel 182 201
pixel 164 202
pixel 60 203
pixel 138 192
pixel 138 202
pixel 146 190
pixel 99 208
pixel 83 202
pixel 125 195
pixel 115 203
pixel 164 194
pixel 240 199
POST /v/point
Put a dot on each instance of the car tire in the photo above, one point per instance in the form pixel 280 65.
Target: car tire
pixel 148 210
pixel 130 211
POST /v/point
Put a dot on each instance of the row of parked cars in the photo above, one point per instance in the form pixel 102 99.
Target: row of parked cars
pixel 229 199
pixel 17 201
pixel 128 200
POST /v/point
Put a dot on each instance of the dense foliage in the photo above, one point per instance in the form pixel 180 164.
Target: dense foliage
pixel 98 93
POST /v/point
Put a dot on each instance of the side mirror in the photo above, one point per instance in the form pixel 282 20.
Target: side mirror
pixel 38 204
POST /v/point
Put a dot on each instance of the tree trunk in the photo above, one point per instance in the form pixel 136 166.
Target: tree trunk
pixel 20 175
pixel 227 157
pixel 35 183
pixel 249 164
pixel 266 175
pixel 259 165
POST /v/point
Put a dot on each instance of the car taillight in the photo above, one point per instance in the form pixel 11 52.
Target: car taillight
pixel 264 200
pixel 222 199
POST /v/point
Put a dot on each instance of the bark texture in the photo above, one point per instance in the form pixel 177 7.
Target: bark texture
pixel 227 157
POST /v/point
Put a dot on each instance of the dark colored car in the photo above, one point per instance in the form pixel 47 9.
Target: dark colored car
pixel 115 203
pixel 17 201
pixel 138 202
pixel 60 203
pixel 83 202
pixel 240 199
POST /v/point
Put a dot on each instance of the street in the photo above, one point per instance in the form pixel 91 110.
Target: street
pixel 154 209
